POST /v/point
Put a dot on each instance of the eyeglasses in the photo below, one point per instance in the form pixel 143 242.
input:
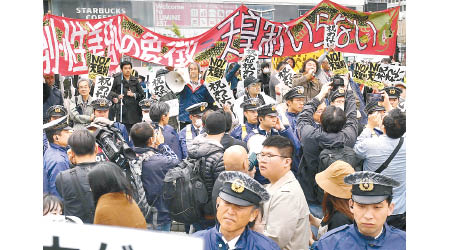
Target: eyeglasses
pixel 263 157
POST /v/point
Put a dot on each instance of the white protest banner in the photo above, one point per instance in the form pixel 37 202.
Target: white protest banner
pixel 71 236
pixel 249 64
pixel 329 36
pixel 174 105
pixel 390 74
pixel 285 75
pixel 158 87
pixel 103 86
pixel 337 63
pixel 221 92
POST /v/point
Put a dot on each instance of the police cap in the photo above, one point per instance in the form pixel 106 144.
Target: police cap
pixel 295 92
pixel 268 109
pixel 251 80
pixel 145 104
pixel 101 104
pixel 197 109
pixel 373 106
pixel 393 92
pixel 370 187
pixel 340 92
pixel 242 190
pixel 56 110
pixel 58 124
pixel 251 104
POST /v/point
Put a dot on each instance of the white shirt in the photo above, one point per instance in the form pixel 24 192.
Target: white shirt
pixel 232 243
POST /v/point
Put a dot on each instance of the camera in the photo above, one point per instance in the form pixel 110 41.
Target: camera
pixel 337 82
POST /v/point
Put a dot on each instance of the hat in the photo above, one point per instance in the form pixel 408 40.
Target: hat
pixel 340 92
pixel 370 187
pixel 331 180
pixel 373 106
pixel 101 104
pixel 215 123
pixel 251 80
pixel 145 104
pixel 393 92
pixel 251 104
pixel 197 109
pixel 268 109
pixel 401 84
pixel 242 190
pixel 56 110
pixel 58 124
pixel 295 92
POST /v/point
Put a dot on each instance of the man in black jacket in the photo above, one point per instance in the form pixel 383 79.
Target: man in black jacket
pixel 338 129
pixel 128 89
pixel 73 184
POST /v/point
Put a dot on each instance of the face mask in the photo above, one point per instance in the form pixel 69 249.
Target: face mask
pixel 198 123
pixel 266 70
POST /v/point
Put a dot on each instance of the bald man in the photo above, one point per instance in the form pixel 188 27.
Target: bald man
pixel 235 158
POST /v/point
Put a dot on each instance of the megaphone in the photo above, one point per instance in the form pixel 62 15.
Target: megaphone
pixel 176 79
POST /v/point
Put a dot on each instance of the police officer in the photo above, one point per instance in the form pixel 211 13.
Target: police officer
pixel 394 95
pixel 145 107
pixel 237 207
pixel 372 109
pixel 337 98
pixel 270 124
pixel 251 118
pixel 53 113
pixel 190 131
pixel 295 99
pixel 371 204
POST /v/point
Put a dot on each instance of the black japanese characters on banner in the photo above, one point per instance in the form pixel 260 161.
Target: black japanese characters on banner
pixel 103 86
pixel 285 75
pixel 249 64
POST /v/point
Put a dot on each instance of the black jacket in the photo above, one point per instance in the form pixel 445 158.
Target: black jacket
pixel 66 184
pixel 314 139
pixel 131 112
pixel 228 141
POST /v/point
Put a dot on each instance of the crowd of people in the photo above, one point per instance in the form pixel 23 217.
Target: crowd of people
pixel 320 165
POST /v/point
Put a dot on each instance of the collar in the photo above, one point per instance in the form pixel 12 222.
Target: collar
pixel 288 177
pixel 379 241
pixel 79 99
pixel 291 114
pixel 241 242
pixel 197 86
pixel 250 126
pixel 58 147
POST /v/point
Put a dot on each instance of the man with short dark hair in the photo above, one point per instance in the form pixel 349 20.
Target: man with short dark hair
pixel 375 150
pixel 286 215
pixel 338 129
pixel 371 205
pixel 127 89
pixel 159 114
pixel 73 184
pixel 55 157
pixel 158 159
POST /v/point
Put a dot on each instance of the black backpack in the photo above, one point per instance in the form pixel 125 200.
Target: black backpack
pixel 328 156
pixel 184 191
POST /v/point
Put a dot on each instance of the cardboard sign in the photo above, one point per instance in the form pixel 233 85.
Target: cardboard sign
pixel 103 86
pixel 98 65
pixel 360 73
pixel 391 74
pixel 249 65
pixel 330 36
pixel 285 75
pixel 158 87
pixel 220 92
pixel 66 236
pixel 174 105
pixel 216 70
pixel 337 63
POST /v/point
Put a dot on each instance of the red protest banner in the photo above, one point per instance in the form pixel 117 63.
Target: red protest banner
pixel 67 42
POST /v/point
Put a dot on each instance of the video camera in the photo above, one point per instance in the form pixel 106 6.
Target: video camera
pixel 110 140
pixel 337 81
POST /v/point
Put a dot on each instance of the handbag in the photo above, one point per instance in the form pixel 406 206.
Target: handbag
pixel 386 163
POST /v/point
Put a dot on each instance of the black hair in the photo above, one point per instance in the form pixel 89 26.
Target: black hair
pixel 395 123
pixel 265 65
pixel 283 144
pixel 82 142
pixel 107 177
pixel 389 199
pixel 125 63
pixel 281 65
pixel 230 67
pixel 142 78
pixel 51 133
pixel 308 60
pixel 228 120
pixel 333 119
pixel 140 133
pixel 289 58
pixel 51 202
pixel 157 110
pixel 205 114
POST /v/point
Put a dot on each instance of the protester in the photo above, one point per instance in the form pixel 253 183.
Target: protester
pixel 232 76
pixel 290 60
pixel 208 145
pixel 113 198
pixel 250 118
pixel 158 159
pixel 53 210
pixel 336 131
pixel 173 120
pixel 52 96
pixel 252 90
pixel 73 183
pixel 371 204
pixel 377 150
pixel 188 133
pixel 307 78
pixel 126 92
pixel 273 82
pixel 286 215
pixel 193 92
pixel 55 157
pixel 81 111
pixel 265 77
pixel 159 114
pixel 237 206
pixel 336 196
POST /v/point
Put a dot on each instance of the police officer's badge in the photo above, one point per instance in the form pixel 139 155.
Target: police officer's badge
pixel 392 91
pixel 300 91
pixel 341 91
pixel 254 102
pixel 274 108
pixel 57 110
pixel 202 108
pixel 147 103
pixel 366 185
pixel 102 103
pixel 238 186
